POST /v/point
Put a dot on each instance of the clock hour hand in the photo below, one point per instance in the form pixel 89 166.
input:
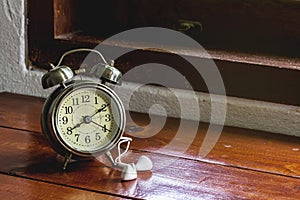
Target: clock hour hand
pixel 77 125
pixel 86 119
pixel 103 127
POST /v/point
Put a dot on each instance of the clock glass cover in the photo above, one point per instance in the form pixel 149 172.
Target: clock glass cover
pixel 88 118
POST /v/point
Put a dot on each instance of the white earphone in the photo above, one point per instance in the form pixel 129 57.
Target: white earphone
pixel 129 171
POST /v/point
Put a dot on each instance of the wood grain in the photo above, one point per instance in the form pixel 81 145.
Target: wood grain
pixel 249 149
pixel 171 177
pixel 238 147
pixel 244 164
pixel 19 188
pixel 20 112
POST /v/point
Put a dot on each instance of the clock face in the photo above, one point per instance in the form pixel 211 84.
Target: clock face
pixel 88 119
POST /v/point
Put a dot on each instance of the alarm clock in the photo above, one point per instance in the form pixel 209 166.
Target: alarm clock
pixel 83 119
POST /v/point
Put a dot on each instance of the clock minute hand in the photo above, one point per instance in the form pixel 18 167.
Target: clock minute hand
pixel 100 110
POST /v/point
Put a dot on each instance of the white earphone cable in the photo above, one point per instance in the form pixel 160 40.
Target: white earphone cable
pixel 123 140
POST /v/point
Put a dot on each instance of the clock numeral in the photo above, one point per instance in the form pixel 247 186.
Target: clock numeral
pixel 103 107
pixel 98 136
pixel 85 98
pixel 65 120
pixel 96 100
pixel 77 137
pixel 108 118
pixel 75 102
pixel 105 129
pixel 87 139
pixel 69 109
pixel 69 131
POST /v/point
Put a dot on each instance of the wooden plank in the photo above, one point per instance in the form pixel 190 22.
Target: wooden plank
pixel 252 76
pixel 19 188
pixel 238 147
pixel 26 154
pixel 20 112
pixel 244 42
pixel 228 25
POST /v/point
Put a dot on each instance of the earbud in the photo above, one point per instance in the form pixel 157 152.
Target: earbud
pixel 144 164
pixel 129 171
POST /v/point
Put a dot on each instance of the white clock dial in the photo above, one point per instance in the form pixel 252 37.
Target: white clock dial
pixel 87 119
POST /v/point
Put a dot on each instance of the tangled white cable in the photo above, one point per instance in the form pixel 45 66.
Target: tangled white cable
pixel 129 171
pixel 123 140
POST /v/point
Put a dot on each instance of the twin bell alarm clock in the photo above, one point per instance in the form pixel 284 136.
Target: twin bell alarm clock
pixel 83 119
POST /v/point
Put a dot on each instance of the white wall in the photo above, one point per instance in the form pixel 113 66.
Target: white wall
pixel 16 78
pixel 14 75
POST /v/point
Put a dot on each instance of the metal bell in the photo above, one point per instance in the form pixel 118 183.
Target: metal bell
pixel 57 75
pixel 107 73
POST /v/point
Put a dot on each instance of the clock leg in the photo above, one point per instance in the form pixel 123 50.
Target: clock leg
pixel 67 159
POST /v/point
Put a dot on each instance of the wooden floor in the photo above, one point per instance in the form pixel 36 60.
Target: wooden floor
pixel 244 164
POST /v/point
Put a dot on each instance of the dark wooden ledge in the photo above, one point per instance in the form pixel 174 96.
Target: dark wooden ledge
pixel 244 164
